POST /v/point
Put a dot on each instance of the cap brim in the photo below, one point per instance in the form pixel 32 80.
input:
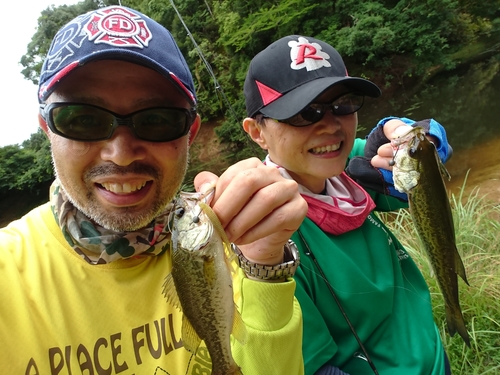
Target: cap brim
pixel 297 99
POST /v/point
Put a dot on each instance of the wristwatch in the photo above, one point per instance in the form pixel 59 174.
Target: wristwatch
pixel 277 272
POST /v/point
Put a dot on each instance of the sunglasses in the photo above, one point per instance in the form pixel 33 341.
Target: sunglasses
pixel 86 122
pixel 314 112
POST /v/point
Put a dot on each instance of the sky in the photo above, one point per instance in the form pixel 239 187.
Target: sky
pixel 19 96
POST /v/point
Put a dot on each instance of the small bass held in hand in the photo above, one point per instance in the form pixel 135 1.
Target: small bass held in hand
pixel 418 171
pixel 201 282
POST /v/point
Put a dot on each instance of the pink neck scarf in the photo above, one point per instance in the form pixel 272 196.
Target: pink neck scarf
pixel 344 207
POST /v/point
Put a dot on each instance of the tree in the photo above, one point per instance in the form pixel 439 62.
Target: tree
pixel 387 41
pixel 25 167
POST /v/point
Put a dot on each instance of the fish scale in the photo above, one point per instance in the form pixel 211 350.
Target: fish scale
pixel 418 171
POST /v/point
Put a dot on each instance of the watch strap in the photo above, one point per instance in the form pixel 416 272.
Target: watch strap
pixel 265 272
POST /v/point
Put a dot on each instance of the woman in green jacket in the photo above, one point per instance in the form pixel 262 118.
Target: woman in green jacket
pixel 366 306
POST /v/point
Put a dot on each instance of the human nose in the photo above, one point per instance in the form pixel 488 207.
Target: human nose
pixel 123 148
pixel 330 122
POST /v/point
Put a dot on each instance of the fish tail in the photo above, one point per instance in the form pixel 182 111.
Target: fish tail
pixel 455 322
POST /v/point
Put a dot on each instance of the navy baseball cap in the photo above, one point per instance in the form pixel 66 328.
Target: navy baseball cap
pixel 115 33
pixel 291 72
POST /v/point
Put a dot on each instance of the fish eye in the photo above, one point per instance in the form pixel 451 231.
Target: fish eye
pixel 180 212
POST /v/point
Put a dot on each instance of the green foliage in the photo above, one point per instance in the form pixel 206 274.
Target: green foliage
pixel 240 33
pixel 50 20
pixel 387 41
pixel 25 167
pixel 478 233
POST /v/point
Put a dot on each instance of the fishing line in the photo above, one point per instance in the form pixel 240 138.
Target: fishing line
pixel 218 87
pixel 392 162
pixel 344 314
pixel 360 293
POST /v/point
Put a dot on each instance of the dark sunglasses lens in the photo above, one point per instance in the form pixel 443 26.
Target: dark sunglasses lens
pixel 81 122
pixel 347 104
pixel 314 112
pixel 309 115
pixel 161 124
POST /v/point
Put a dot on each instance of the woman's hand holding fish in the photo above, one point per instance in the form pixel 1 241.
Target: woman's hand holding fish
pixel 258 208
pixel 392 129
pixel 385 154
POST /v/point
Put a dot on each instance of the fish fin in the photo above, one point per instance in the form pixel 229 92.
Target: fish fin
pixel 459 267
pixel 455 323
pixel 239 330
pixel 190 338
pixel 170 292
pixel 230 259
pixel 444 172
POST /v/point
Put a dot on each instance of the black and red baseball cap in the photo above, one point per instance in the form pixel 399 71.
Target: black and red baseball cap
pixel 291 72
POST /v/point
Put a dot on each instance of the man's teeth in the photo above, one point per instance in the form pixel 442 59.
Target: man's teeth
pixel 123 188
pixel 329 148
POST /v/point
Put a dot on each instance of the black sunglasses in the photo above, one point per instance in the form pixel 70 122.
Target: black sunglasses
pixel 86 122
pixel 343 105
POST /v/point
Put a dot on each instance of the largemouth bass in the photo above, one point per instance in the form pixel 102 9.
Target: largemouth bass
pixel 200 283
pixel 418 171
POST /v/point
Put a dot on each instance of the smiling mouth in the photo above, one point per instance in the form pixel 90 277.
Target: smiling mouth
pixel 325 149
pixel 123 188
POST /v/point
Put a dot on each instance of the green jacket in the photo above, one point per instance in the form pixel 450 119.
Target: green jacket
pixel 382 291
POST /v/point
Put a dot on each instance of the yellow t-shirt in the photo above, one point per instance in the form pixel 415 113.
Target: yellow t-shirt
pixel 61 315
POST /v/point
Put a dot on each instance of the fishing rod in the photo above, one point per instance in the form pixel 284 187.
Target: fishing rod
pixel 218 87
pixel 207 64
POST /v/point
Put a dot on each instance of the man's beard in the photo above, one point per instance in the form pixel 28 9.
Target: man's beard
pixel 126 220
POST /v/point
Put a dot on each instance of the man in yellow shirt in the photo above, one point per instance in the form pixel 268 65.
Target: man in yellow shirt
pixel 81 276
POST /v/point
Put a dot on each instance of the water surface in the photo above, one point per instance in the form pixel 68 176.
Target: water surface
pixel 467 103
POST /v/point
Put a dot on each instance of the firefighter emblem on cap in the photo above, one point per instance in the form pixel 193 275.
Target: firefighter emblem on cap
pixel 118 27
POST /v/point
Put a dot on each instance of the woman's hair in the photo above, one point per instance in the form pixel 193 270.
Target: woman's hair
pixel 261 119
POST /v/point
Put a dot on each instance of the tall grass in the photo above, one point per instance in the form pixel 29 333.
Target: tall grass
pixel 477 230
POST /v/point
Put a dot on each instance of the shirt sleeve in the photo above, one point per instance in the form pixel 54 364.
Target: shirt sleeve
pixel 432 127
pixel 273 321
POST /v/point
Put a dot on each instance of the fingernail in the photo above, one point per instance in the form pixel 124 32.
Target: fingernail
pixel 401 130
pixel 206 187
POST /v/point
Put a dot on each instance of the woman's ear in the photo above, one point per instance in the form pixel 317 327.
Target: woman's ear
pixel 254 130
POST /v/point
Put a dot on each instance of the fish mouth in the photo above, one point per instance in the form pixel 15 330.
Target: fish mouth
pixel 123 188
pixel 325 149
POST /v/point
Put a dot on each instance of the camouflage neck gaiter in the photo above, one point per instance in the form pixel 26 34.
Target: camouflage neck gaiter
pixel 98 245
